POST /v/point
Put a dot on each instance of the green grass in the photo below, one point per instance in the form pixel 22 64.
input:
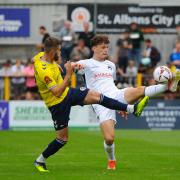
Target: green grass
pixel 140 155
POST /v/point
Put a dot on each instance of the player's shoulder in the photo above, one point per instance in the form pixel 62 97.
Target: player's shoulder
pixel 41 67
pixel 86 62
pixel 110 63
pixel 37 56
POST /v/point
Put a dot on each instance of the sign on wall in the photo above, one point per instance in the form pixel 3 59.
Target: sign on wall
pixel 117 18
pixel 14 22
pixel 78 14
pixel 159 114
pixel 4 115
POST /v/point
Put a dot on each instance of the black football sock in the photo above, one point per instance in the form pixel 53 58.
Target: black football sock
pixel 53 147
pixel 112 103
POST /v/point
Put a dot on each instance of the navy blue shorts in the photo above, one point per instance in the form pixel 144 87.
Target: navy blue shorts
pixel 60 112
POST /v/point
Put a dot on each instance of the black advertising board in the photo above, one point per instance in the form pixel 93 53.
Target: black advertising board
pixel 116 18
pixel 158 115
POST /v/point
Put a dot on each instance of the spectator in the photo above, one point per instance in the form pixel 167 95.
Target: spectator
pixel 178 32
pixel 175 56
pixel 80 51
pixel 18 81
pixel 137 38
pixel 131 73
pixel 86 35
pixel 45 34
pixel 127 79
pixel 31 88
pixel 6 69
pixel 123 48
pixel 68 38
pixel 151 53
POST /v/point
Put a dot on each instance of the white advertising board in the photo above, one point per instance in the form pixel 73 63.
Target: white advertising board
pixel 35 114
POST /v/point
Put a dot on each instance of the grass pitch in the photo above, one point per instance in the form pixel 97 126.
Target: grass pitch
pixel 141 155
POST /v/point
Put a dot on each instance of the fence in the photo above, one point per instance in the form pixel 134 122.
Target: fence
pixel 6 90
pixel 5 85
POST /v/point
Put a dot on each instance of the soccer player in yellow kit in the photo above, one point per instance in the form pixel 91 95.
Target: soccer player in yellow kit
pixel 59 98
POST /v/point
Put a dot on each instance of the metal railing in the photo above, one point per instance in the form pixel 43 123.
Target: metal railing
pixel 6 90
pixel 5 86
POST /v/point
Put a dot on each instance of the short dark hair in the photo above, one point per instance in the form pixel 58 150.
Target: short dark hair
pixel 42 27
pixel 148 41
pixel 50 43
pixel 99 39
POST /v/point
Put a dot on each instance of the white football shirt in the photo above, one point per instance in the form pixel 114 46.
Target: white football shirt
pixel 100 76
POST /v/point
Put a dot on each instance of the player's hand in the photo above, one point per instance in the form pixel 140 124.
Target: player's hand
pixel 69 68
pixel 123 114
pixel 78 66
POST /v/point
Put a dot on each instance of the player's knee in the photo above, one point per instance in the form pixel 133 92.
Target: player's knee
pixel 140 91
pixel 63 138
pixel 109 140
pixel 93 95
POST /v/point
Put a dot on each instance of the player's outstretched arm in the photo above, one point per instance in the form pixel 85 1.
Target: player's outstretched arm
pixel 58 90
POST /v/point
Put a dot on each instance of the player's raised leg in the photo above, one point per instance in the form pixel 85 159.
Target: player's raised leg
pixel 94 97
pixel 131 95
pixel 107 128
pixel 153 90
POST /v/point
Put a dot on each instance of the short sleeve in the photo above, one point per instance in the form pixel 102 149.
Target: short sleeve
pixel 83 62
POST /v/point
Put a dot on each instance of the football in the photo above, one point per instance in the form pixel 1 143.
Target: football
pixel 162 74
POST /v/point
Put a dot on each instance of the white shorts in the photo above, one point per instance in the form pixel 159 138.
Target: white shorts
pixel 103 113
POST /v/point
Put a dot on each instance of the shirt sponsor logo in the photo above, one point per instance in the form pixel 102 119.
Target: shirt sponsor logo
pixel 47 79
pixel 103 75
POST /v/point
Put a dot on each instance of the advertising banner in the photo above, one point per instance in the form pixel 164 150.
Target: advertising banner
pixel 117 18
pixel 36 114
pixel 158 115
pixel 14 22
pixel 4 115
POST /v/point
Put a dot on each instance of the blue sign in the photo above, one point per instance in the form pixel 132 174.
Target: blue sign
pixel 14 22
pixel 158 115
pixel 4 115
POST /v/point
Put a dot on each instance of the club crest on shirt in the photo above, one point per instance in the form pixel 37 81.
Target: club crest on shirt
pixel 82 88
pixel 47 80
pixel 109 67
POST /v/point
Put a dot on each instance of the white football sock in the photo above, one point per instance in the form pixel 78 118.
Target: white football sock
pixel 41 159
pixel 130 108
pixel 110 151
pixel 155 89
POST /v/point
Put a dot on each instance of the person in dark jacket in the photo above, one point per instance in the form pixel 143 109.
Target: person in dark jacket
pixel 136 37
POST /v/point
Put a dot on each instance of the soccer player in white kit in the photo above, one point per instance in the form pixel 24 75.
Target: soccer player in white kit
pixel 100 75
